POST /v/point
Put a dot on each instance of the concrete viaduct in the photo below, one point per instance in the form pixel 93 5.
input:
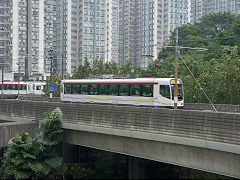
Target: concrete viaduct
pixel 203 140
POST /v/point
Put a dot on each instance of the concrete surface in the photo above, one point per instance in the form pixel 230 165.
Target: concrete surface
pixel 11 129
pixel 199 139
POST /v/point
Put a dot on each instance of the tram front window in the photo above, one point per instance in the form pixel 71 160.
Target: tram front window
pixel 180 91
pixel 165 91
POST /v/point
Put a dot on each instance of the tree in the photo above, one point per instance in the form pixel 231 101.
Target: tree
pixel 230 79
pixel 22 158
pixel 114 68
pixel 215 69
pixel 77 171
pixel 111 68
pixel 236 26
pixel 223 38
pixel 84 71
pixel 189 35
pixel 50 131
pixel 98 67
pixel 27 157
pixel 211 24
pixel 126 68
pixel 165 52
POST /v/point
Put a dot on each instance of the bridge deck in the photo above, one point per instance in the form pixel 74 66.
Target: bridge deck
pixel 212 131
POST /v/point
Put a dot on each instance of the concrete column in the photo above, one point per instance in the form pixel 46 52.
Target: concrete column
pixel 134 170
pixel 130 167
pixel 67 152
pixel 71 153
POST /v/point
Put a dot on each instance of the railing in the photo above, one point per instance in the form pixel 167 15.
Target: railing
pixel 30 97
pixel 219 107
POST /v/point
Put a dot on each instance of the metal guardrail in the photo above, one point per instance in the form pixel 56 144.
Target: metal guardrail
pixel 219 107
pixel 30 97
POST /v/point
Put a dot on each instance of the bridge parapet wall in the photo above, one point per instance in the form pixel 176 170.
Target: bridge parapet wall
pixel 169 125
pixel 11 129
pixel 31 97
pixel 196 139
pixel 219 107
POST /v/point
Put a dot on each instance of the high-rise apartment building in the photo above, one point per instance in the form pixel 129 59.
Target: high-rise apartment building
pixel 48 32
pixel 5 35
pixel 68 31
pixel 93 20
pixel 167 15
pixel 112 30
pixel 80 32
pixel 129 31
pixel 143 27
pixel 27 35
pixel 148 30
pixel 201 8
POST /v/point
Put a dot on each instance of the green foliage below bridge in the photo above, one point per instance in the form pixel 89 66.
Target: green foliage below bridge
pixel 28 157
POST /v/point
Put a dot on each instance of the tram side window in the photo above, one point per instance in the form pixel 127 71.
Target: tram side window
pixel 103 89
pixel 8 87
pixel 38 87
pixel 93 89
pixel 165 91
pixel 135 90
pixel 124 90
pixel 84 89
pixel 113 90
pixel 67 89
pixel 76 88
pixel 147 90
pixel 15 87
pixel 0 87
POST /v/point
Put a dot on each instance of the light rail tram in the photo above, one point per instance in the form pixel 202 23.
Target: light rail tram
pixel 153 92
pixel 11 89
pixel 37 87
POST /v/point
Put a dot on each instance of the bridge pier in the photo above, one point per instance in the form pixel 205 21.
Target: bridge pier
pixel 11 129
pixel 134 169
pixel 67 152
pixel 71 153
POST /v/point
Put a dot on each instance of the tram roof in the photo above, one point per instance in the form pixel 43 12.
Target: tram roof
pixel 136 80
pixel 14 83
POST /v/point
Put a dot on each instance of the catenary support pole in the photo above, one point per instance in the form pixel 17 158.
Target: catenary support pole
pixel 2 82
pixel 51 69
pixel 176 73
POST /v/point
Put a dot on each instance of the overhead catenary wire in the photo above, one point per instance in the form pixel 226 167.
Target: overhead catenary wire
pixel 199 40
pixel 198 83
pixel 211 39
